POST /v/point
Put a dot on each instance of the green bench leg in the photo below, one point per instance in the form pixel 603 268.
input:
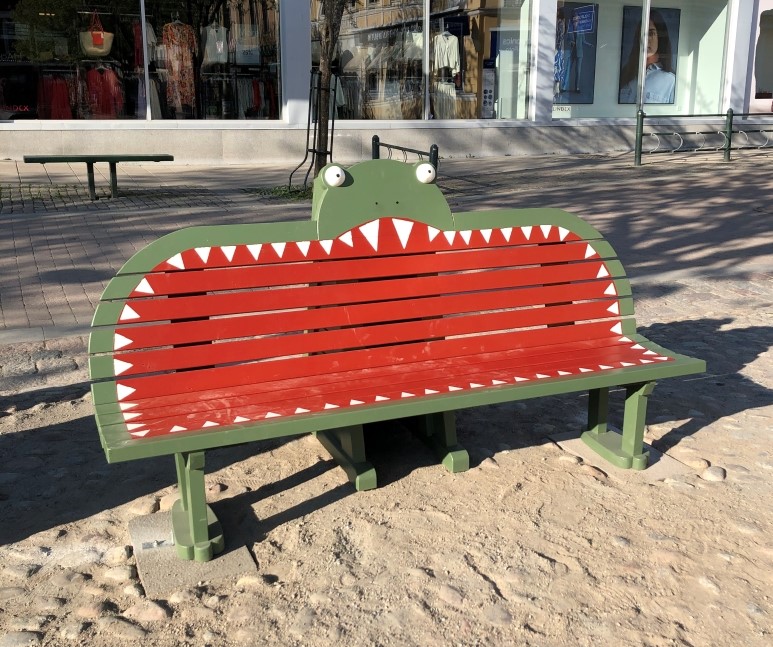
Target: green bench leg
pixel 90 178
pixel 622 450
pixel 113 180
pixel 347 447
pixel 196 530
pixel 438 430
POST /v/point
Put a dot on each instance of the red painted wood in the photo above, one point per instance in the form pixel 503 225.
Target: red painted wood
pixel 285 398
pixel 188 307
pixel 257 276
pixel 377 336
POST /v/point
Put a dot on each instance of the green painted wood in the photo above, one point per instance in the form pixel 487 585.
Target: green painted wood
pixel 347 446
pixel 91 159
pixel 496 218
pixel 598 408
pixel 438 430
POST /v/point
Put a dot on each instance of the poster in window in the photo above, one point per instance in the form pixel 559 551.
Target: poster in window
pixel 662 46
pixel 574 68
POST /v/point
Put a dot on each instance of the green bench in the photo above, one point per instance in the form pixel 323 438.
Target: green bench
pixel 90 160
pixel 383 306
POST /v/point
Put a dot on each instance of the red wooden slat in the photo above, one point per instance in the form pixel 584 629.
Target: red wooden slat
pixel 146 310
pixel 235 278
pixel 359 337
pixel 155 335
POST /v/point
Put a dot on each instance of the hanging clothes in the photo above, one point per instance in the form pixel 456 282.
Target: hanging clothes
pixel 53 98
pixel 104 93
pixel 181 48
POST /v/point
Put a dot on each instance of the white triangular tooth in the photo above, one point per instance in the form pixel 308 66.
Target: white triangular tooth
pixel 564 373
pixel 119 366
pixel 450 235
pixel 271 414
pixel 381 398
pixel 475 385
pixel 121 342
pixel 589 251
pixel 327 245
pixel 586 370
pixel 604 367
pixel 546 229
pixel 370 231
pixel 228 251
pixel 177 261
pixel 625 340
pixel 521 379
pixel 127 405
pixel 124 391
pixel 506 233
pixel 135 425
pixel 430 392
pixel 255 250
pixel 466 236
pixel 542 376
pixel 279 248
pixel 303 246
pixel 301 410
pixel 347 239
pixel 617 328
pixel 455 388
pixel 177 428
pixel 331 406
pixel 527 232
pixel 209 423
pixel 646 361
pixel 241 419
pixel 354 403
pixel 486 233
pixel 627 364
pixel 602 272
pixel 131 416
pixel 647 352
pixel 640 347
pixel 403 229
pixel 144 287
pixel 432 233
pixel 140 434
pixel 610 289
pixel 203 253
pixel 614 308
pixel 563 232
pixel 405 394
pixel 128 313
pixel 662 359
pixel 497 382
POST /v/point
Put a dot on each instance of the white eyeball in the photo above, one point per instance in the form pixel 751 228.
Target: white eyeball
pixel 334 176
pixel 425 173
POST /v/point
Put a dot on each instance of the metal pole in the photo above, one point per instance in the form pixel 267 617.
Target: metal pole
pixel 639 136
pixel 728 133
pixel 374 148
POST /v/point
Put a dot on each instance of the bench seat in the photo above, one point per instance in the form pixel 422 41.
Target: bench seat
pixel 214 336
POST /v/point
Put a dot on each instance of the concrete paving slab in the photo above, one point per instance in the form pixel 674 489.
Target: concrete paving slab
pixel 162 572
pixel 661 466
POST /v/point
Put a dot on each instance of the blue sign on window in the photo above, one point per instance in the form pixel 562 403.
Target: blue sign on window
pixel 582 19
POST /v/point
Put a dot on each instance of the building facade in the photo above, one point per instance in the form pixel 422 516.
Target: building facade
pixel 227 81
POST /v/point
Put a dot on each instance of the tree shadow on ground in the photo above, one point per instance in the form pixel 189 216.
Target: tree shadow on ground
pixel 57 474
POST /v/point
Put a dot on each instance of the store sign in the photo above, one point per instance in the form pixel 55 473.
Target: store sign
pixel 585 20
pixel 562 112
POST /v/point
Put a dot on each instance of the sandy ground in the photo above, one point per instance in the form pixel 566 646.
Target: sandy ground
pixel 531 546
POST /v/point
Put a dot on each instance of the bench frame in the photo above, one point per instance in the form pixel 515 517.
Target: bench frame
pixel 90 160
pixel 341 430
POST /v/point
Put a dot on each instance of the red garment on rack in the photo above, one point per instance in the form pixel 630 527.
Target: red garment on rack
pixel 53 98
pixel 105 94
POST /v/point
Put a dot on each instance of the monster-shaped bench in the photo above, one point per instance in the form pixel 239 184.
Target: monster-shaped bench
pixel 383 306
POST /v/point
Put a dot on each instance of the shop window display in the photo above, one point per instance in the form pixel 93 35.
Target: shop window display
pixel 67 59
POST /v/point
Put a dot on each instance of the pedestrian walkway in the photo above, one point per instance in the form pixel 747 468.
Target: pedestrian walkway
pixel 694 217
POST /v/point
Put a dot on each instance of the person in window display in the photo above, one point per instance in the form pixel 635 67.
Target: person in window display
pixel 660 80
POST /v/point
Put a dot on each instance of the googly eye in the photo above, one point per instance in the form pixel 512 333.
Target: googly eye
pixel 334 176
pixel 425 173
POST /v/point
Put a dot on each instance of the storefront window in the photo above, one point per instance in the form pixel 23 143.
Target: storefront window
pixel 213 59
pixel 762 88
pixel 210 59
pixel 598 58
